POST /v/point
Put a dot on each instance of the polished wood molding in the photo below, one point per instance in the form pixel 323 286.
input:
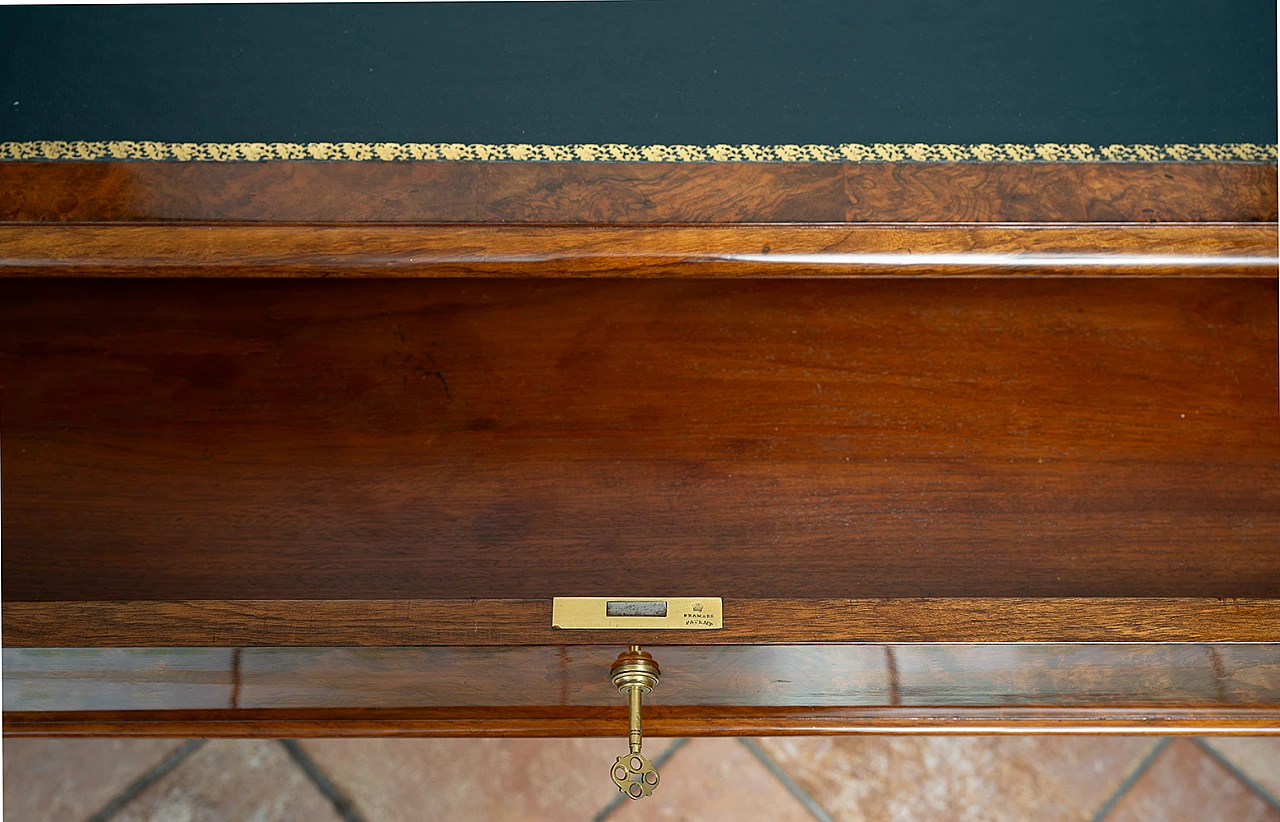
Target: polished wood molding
pixel 637 193
pixel 489 622
pixel 903 250
pixel 660 721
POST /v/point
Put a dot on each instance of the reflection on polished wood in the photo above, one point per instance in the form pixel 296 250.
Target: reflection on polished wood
pixel 763 687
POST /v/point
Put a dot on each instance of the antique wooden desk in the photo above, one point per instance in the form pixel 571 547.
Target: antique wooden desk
pixel 947 439
pixel 299 449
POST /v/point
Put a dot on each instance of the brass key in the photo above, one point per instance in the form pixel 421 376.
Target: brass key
pixel 634 673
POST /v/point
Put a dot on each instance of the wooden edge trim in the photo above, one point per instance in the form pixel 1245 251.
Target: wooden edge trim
pixel 637 193
pixel 670 721
pixel 928 250
pixel 489 622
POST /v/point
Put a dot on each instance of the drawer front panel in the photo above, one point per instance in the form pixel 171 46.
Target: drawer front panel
pixel 376 439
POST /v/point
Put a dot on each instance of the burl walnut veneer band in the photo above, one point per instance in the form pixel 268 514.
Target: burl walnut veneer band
pixel 637 193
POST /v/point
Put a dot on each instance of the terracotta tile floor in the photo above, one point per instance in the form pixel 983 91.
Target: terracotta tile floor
pixel 848 778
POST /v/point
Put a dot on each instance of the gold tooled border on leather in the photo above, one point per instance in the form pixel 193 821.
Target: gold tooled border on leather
pixel 622 153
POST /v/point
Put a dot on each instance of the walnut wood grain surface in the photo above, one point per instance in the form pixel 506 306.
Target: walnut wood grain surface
pixel 904 250
pixel 627 193
pixel 375 439
pixel 488 622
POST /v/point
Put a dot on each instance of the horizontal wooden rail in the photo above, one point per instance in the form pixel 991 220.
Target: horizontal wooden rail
pixel 637 193
pixel 927 250
pixel 659 721
pixel 240 623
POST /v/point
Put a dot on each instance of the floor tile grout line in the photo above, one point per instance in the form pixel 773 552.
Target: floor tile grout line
pixel 173 760
pixel 617 801
pixel 801 795
pixel 1222 760
pixel 1129 781
pixel 323 783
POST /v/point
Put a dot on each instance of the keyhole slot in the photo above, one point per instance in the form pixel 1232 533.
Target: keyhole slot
pixel 635 608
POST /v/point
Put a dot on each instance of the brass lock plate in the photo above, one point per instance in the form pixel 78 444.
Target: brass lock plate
pixel 625 613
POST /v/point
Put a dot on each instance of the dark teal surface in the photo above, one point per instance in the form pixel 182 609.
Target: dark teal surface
pixel 648 71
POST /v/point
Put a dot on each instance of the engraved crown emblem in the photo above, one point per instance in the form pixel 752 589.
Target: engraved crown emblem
pixel 697 607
